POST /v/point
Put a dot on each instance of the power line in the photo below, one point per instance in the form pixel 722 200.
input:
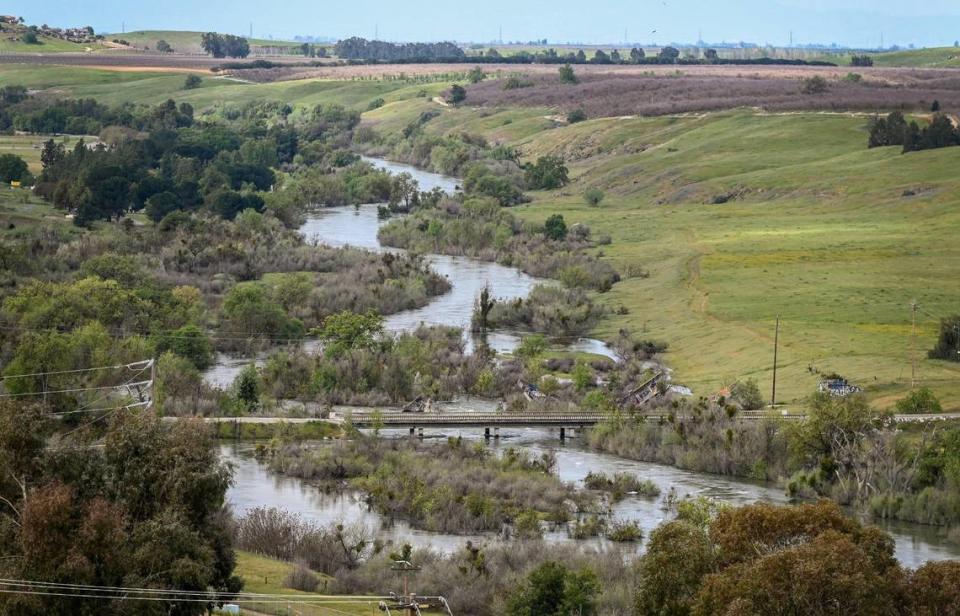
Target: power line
pixel 131 366
pixel 74 390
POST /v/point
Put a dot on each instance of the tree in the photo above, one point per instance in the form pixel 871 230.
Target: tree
pixel 935 107
pixel 189 342
pixel 567 75
pixel 814 85
pixel 747 394
pixel 919 401
pixel 481 313
pixel 593 196
pixel 191 82
pixel 548 173
pixel 52 153
pixel 30 38
pixel 679 555
pixel 669 55
pixel 164 47
pixel 553 590
pixel 457 94
pixel 948 342
pixel 862 60
pixel 711 56
pixel 476 75
pixel 247 387
pixel 12 168
pixel 555 228
pixel 637 54
pixel 161 204
pixel 347 330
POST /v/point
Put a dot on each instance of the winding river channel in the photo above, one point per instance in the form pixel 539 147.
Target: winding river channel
pixel 255 486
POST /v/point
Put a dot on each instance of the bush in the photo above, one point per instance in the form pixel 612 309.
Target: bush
pixel 12 168
pixel 30 38
pixel 376 103
pixel 814 85
pixel 457 94
pixel 624 531
pixel 548 173
pixel 191 82
pixel 164 47
pixel 302 578
pixel 567 75
pixel 577 115
pixel 555 228
pixel 593 196
pixel 747 395
pixel 918 402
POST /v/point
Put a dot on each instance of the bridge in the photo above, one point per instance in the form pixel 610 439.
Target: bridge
pixel 494 420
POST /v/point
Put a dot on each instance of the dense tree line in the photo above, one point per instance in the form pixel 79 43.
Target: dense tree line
pixel 144 509
pixel 355 48
pixel 895 130
pixel 225 45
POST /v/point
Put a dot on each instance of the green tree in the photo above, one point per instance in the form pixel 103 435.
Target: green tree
pixel 247 387
pixel 679 555
pixel 948 342
pixel 476 75
pixel 747 394
pixel 548 173
pixel 567 75
pixel 593 196
pixel 919 401
pixel 555 228
pixel 189 342
pixel 577 115
pixel 12 168
pixel 457 94
pixel 553 590
pixel 164 47
pixel 347 330
pixel 191 82
pixel 30 38
pixel 161 204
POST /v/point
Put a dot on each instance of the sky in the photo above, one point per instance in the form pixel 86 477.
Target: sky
pixel 855 23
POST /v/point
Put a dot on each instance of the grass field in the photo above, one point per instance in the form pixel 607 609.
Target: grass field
pixel 184 41
pixel 821 234
pixel 266 575
pixel 28 147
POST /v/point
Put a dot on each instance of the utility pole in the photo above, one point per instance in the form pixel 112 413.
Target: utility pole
pixel 913 344
pixel 776 344
pixel 376 31
pixel 501 35
pixel 251 29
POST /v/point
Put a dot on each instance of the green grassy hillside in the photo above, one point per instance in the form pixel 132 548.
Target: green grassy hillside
pixel 11 41
pixel 818 231
pixel 182 41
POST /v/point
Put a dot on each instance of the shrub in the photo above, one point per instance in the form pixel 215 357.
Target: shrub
pixel 919 401
pixel 30 38
pixel 456 95
pixel 376 103
pixel 191 82
pixel 164 47
pixel 577 115
pixel 747 394
pixel 555 228
pixel 567 75
pixel 624 531
pixel 548 173
pixel 302 578
pixel 593 196
pixel 814 85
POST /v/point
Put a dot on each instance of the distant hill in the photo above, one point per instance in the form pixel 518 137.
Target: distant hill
pixel 14 39
pixel 189 42
pixel 933 57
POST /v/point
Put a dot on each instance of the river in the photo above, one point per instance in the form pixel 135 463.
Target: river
pixel 357 226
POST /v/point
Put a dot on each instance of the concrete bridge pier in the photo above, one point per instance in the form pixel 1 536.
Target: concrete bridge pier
pixel 496 432
pixel 420 433
pixel 486 434
pixel 412 431
pixel 563 434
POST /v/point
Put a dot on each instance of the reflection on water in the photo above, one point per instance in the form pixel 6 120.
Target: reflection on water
pixel 255 486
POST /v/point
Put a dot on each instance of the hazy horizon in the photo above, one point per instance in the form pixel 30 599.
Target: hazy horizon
pixel 850 23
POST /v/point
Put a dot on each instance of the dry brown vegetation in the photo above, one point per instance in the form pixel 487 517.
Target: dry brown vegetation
pixel 711 88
